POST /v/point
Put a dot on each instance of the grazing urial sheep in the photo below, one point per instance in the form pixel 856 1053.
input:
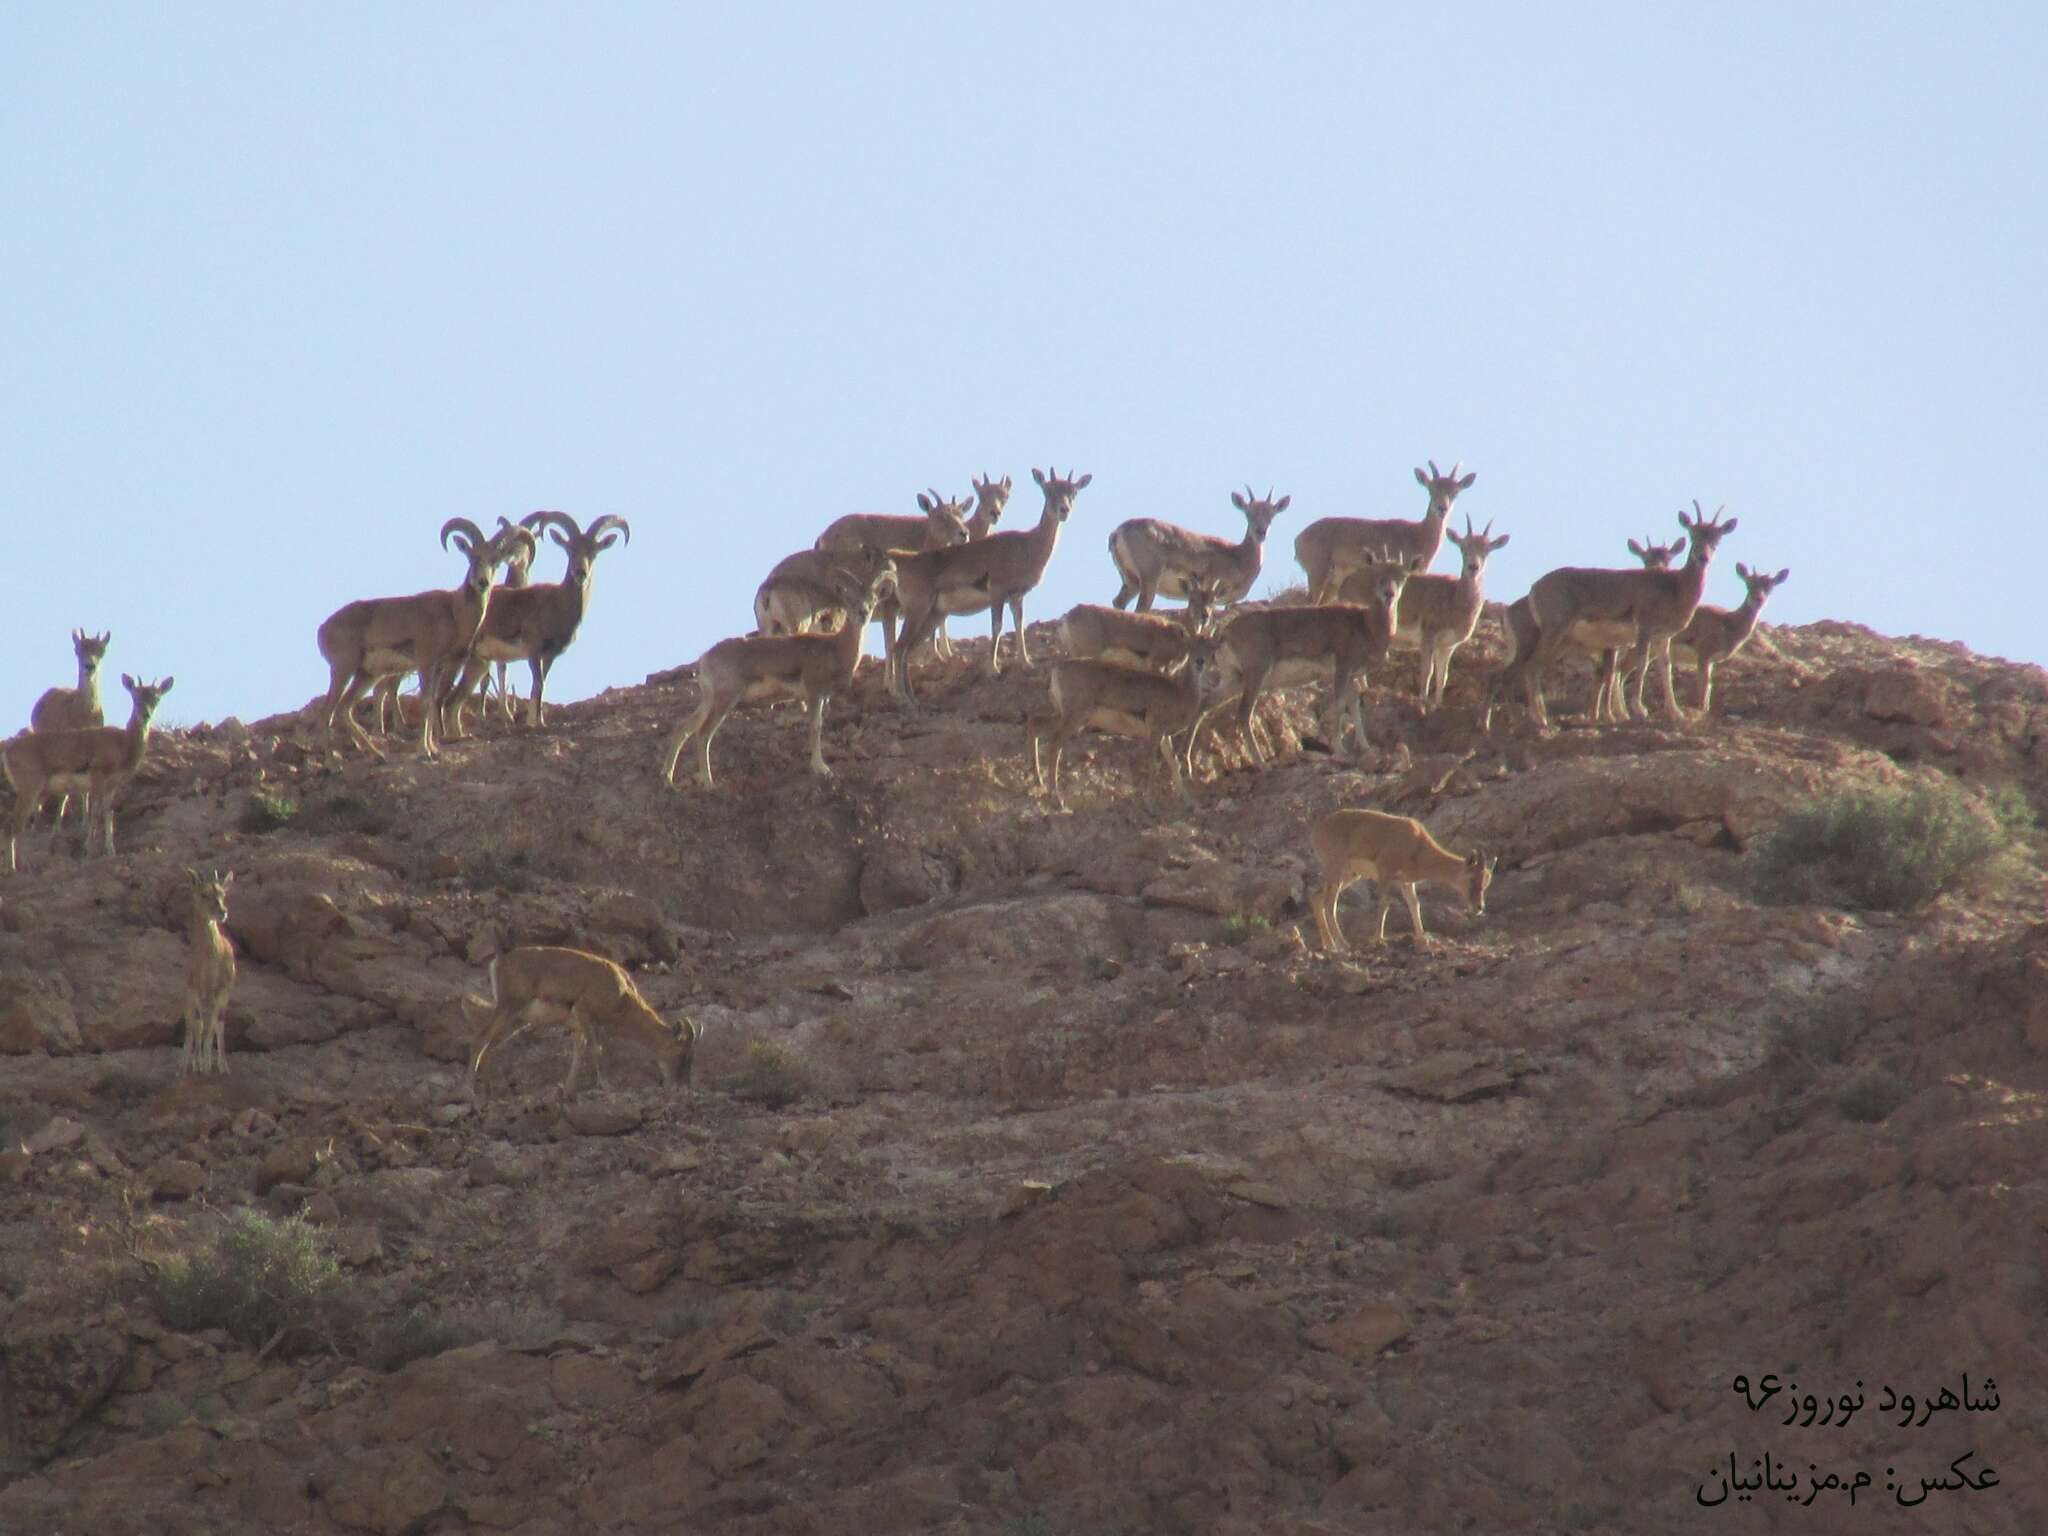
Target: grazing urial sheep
pixel 588 995
pixel 1397 854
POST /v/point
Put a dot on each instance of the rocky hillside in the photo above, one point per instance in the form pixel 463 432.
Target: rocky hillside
pixel 1037 1176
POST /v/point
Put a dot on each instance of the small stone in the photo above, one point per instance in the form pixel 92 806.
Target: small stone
pixel 1268 1195
pixel 289 1162
pixel 357 1246
pixel 322 1210
pixel 1022 1197
pixel 1362 1334
pixel 57 1131
pixel 175 1178
pixel 599 1117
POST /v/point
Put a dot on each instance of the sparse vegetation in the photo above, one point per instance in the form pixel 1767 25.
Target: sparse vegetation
pixel 1888 850
pixel 1872 1094
pixel 491 870
pixel 414 1334
pixel 772 1077
pixel 270 1283
pixel 267 810
pixel 509 1325
pixel 1241 926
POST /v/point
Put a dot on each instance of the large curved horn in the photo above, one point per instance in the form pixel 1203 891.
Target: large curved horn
pixel 533 522
pixel 464 526
pixel 610 520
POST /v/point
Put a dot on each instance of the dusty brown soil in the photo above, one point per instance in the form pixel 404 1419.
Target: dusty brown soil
pixel 1107 1205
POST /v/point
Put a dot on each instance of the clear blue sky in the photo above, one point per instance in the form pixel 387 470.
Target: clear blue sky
pixel 287 285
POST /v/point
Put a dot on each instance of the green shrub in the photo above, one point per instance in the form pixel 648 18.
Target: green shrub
pixel 267 810
pixel 1890 850
pixel 1871 1095
pixel 268 1282
pixel 1244 925
pixel 772 1077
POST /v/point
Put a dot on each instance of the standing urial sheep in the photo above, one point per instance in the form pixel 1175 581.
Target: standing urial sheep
pixel 805 592
pixel 1157 559
pixel 990 497
pixel 1438 613
pixel 1649 607
pixel 1331 548
pixel 590 996
pixel 427 632
pixel 209 975
pixel 1156 640
pixel 764 669
pixel 1130 701
pixel 74 709
pixel 1396 853
pixel 1288 645
pixel 942 524
pixel 986 574
pixel 1715 634
pixel 535 623
pixel 517 573
pixel 98 761
pixel 1604 642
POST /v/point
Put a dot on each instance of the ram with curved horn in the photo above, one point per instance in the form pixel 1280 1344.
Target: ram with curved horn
pixel 517 573
pixel 535 623
pixel 428 632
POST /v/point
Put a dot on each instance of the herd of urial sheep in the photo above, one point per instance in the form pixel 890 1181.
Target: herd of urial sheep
pixel 1133 672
